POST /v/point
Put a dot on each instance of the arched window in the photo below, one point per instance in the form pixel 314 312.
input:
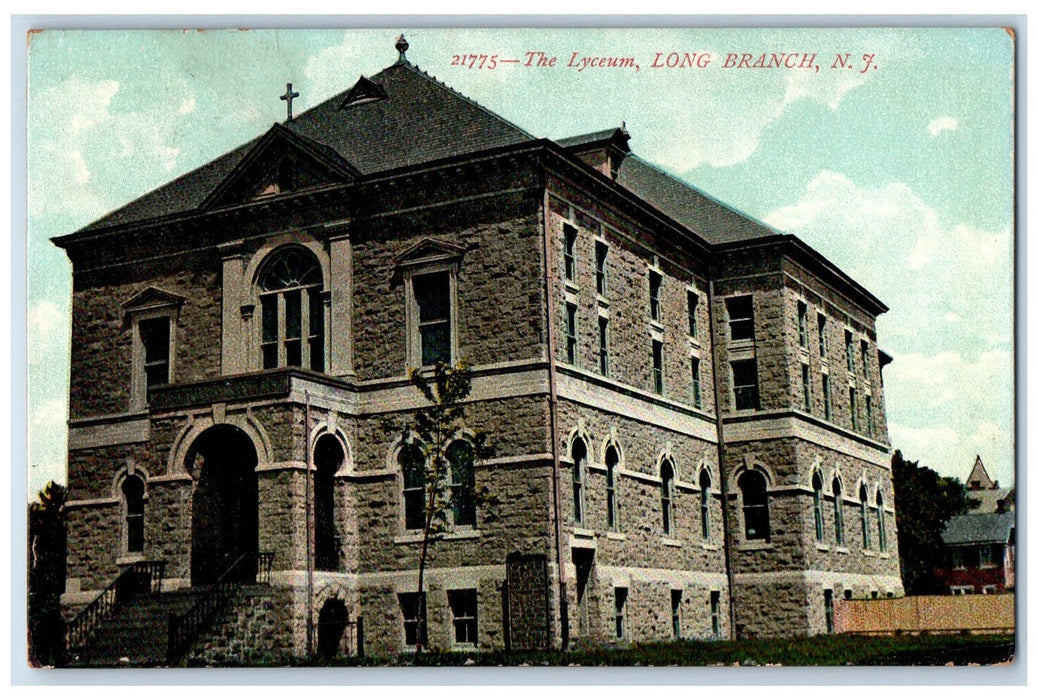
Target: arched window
pixel 816 487
pixel 328 458
pixel 579 454
pixel 754 488
pixel 667 494
pixel 612 460
pixel 863 496
pixel 704 502
pixel 133 504
pixel 412 464
pixel 292 310
pixel 838 511
pixel 461 458
pixel 881 521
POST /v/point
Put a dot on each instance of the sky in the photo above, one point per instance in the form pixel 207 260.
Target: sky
pixel 896 165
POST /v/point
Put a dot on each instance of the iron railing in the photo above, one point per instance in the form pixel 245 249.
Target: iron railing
pixel 185 628
pixel 139 578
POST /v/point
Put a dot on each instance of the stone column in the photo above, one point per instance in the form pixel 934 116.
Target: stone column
pixel 233 340
pixel 340 326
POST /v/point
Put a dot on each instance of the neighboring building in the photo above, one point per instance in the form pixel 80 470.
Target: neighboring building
pixel 651 364
pixel 981 553
pixel 981 544
pixel 989 496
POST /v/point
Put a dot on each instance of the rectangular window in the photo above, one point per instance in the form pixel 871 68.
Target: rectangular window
pixel 740 317
pixel 463 614
pixel 620 600
pixel 802 323
pixel 848 342
pixel 823 343
pixel 805 382
pixel 155 339
pixel 987 554
pixel 657 366
pixel 827 397
pixel 601 281
pixel 569 252
pixel 693 312
pixel 854 408
pixel 697 394
pixel 865 359
pixel 715 614
pixel 316 327
pixel 293 327
pixel 675 613
pixel 744 381
pixel 432 295
pixel 830 616
pixel 868 414
pixel 603 346
pixel 571 333
pixel 655 281
pixel 412 609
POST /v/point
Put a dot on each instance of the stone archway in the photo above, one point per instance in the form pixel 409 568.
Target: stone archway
pixel 331 625
pixel 224 504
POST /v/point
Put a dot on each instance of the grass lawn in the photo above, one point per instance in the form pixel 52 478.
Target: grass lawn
pixel 822 650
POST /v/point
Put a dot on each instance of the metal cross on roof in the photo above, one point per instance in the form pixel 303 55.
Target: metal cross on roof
pixel 288 97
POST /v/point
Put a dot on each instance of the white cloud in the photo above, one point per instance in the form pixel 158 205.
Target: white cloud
pixel 942 124
pixel 187 105
pixel 47 328
pixel 949 328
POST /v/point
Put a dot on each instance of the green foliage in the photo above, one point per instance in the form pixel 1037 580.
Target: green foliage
pixel 434 429
pixel 47 552
pixel 821 650
pixel 924 501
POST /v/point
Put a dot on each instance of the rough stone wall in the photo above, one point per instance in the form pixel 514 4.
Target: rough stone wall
pixel 256 629
pixel 772 609
pixel 102 359
pixel 499 303
pixel 626 302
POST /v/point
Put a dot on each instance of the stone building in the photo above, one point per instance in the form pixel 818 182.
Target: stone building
pixel 687 406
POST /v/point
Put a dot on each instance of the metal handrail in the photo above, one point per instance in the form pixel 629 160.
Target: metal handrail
pixel 184 628
pixel 128 584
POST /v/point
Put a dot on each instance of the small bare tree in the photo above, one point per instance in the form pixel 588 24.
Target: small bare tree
pixel 447 477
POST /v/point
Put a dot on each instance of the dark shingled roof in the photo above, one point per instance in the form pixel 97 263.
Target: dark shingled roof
pixel 975 528
pixel 420 119
pixel 714 221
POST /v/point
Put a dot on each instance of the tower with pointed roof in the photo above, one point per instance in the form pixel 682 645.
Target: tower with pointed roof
pixel 687 405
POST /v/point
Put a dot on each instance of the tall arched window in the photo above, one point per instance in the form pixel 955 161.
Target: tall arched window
pixel 328 458
pixel 816 488
pixel 412 465
pixel 881 521
pixel 838 511
pixel 133 504
pixel 754 488
pixel 461 458
pixel 863 496
pixel 579 454
pixel 704 502
pixel 612 460
pixel 292 310
pixel 667 495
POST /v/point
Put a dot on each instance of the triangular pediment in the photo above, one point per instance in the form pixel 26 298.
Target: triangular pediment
pixel 152 298
pixel 281 162
pixel 429 250
pixel 363 91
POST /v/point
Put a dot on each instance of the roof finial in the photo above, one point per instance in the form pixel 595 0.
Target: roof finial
pixel 402 46
pixel 287 97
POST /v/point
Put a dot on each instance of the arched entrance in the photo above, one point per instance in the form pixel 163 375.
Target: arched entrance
pixel 224 505
pixel 328 457
pixel 331 624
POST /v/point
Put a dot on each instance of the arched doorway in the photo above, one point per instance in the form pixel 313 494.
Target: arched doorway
pixel 224 505
pixel 331 624
pixel 328 457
